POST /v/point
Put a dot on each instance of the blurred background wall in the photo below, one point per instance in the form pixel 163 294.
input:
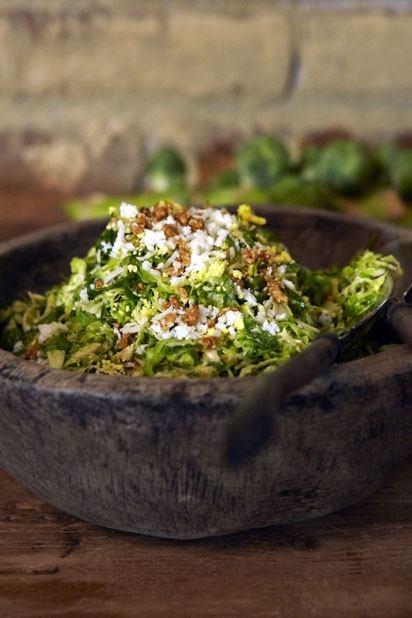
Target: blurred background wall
pixel 89 88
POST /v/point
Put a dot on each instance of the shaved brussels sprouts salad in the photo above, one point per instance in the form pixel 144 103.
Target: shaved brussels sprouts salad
pixel 188 291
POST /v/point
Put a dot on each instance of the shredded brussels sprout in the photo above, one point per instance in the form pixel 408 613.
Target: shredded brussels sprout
pixel 176 291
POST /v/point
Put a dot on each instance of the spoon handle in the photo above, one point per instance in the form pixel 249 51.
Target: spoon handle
pixel 254 422
pixel 400 318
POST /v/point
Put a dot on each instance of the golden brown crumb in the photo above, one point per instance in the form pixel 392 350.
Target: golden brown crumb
pixel 208 342
pixel 179 270
pixel 173 301
pixel 196 224
pixel 137 229
pixel 191 315
pixel 170 230
pixel 184 254
pixel 181 217
pixel 183 293
pixel 249 255
pixel 169 319
pixel 124 341
pixel 275 291
pixel 99 283
pixel 174 271
pixel 226 309
pixel 142 219
pixel 160 212
pixel 32 351
pixel 170 271
pixel 265 256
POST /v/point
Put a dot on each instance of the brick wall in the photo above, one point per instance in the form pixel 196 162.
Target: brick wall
pixel 89 88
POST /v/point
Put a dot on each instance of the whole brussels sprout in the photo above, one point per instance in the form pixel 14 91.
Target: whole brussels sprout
pixel 400 171
pixel 397 163
pixel 227 179
pixel 385 154
pixel 166 170
pixel 309 156
pixel 261 161
pixel 254 195
pixel 401 174
pixel 344 166
pixel 221 190
pixel 297 191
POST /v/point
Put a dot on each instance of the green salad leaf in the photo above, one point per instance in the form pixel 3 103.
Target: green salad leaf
pixel 176 291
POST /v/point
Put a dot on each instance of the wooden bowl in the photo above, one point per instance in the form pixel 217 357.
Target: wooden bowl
pixel 145 454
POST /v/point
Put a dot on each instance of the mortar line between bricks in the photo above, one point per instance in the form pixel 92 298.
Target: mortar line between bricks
pixel 294 60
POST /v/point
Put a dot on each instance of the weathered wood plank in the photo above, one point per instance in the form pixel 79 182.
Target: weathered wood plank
pixel 354 564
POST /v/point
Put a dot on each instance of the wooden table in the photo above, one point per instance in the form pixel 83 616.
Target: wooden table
pixel 354 564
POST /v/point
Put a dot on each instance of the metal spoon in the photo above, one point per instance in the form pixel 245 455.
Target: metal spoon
pixel 254 422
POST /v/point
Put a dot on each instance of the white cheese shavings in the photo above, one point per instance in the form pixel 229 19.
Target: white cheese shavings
pixel 119 247
pixel 113 274
pixel 270 327
pixel 127 211
pixel 83 295
pixel 49 330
